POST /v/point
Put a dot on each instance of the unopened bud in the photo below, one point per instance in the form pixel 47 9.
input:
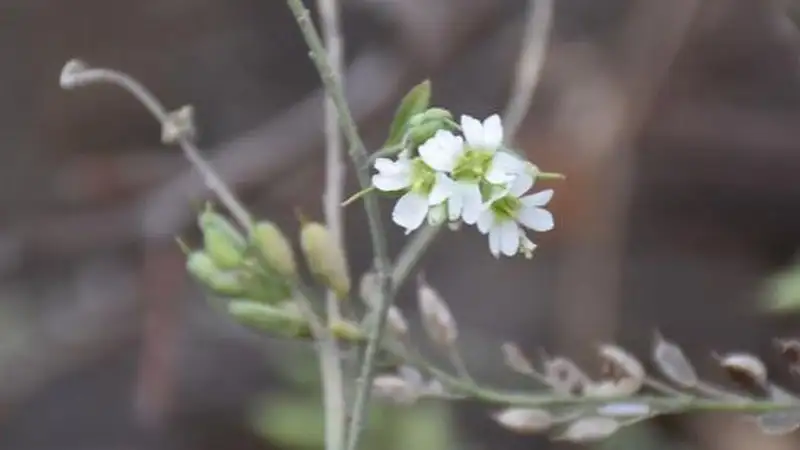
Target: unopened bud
pixel 524 420
pixel 419 134
pixel 226 283
pixel 436 317
pixel 274 248
pixel 744 369
pixel 223 242
pixel 325 258
pixel 284 321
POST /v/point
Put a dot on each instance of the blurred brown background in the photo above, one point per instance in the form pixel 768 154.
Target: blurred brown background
pixel 675 122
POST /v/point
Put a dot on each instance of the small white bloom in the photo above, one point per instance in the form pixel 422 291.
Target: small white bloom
pixel 508 209
pixel 442 151
pixel 424 188
pixel 486 136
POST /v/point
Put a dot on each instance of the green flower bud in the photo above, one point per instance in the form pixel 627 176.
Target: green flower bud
pixel 224 243
pixel 437 114
pixel 284 321
pixel 347 331
pixel 325 258
pixel 274 248
pixel 424 126
pixel 202 267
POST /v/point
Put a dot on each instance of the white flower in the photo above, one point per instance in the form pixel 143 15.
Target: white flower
pixel 468 164
pixel 424 188
pixel 488 137
pixel 508 209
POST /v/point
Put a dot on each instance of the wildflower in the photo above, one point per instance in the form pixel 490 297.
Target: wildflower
pixel 508 209
pixel 470 165
pixel 423 187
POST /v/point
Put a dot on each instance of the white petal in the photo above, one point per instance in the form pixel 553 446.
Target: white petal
pixel 494 241
pixel 509 238
pixel 504 167
pixel 521 184
pixel 473 131
pixel 538 199
pixel 485 221
pixel 442 189
pixel 535 218
pixel 437 214
pixel 410 211
pixel 388 167
pixel 492 131
pixel 473 203
pixel 455 204
pixel 391 182
pixel 441 152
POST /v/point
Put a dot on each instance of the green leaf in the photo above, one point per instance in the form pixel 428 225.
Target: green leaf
pixel 416 101
pixel 783 291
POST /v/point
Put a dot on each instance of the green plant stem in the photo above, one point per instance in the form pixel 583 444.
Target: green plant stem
pixel 330 355
pixel 360 157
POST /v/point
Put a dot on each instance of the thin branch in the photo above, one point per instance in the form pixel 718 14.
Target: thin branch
pixel 529 65
pixel 330 360
pixel 77 74
pixel 360 157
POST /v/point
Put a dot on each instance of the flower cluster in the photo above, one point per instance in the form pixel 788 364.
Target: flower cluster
pixel 468 179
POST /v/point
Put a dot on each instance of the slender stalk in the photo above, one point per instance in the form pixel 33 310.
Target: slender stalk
pixel 330 357
pixel 87 76
pixel 328 351
pixel 360 157
pixel 529 65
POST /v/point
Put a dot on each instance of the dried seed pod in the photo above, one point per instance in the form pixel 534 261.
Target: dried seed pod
pixel 71 73
pixel 396 322
pixel 672 363
pixel 779 423
pixel 411 376
pixel 273 246
pixel 439 323
pixel 790 350
pixel 516 360
pixel 625 409
pixel 525 420
pixel 179 125
pixel 564 376
pixel 612 388
pixel 590 429
pixel 325 257
pixel 368 291
pixel 395 389
pixel 622 363
pixel 745 369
